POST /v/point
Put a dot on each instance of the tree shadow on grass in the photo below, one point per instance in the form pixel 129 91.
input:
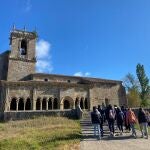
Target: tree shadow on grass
pixel 74 136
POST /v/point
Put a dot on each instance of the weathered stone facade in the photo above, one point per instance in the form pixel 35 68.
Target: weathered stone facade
pixel 21 89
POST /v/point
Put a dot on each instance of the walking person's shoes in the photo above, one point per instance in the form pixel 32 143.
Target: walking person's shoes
pixel 135 136
pixel 142 136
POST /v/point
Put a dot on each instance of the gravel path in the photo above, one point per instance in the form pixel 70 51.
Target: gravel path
pixel 119 142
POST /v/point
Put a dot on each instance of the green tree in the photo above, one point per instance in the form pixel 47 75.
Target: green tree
pixel 132 88
pixel 144 84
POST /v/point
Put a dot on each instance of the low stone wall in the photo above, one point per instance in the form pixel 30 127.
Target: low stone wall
pixel 13 115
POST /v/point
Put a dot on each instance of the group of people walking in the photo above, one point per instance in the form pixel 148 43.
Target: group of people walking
pixel 120 118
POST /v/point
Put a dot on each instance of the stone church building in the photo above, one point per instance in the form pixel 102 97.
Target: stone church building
pixel 24 90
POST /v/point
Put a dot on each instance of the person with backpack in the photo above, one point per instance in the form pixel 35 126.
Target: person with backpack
pixel 143 122
pixel 148 117
pixel 111 120
pixel 131 120
pixel 120 120
pixel 96 120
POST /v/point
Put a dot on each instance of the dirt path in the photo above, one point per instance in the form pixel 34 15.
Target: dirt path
pixel 119 142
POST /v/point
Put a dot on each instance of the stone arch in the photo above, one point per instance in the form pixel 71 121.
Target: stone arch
pixel 28 104
pixel 81 103
pixel 55 103
pixel 44 104
pixel 21 104
pixel 38 104
pixel 86 103
pixel 13 104
pixel 67 102
pixel 50 104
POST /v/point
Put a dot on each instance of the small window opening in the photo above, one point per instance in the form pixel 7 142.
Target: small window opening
pixel 46 80
pixel 23 49
pixel 69 81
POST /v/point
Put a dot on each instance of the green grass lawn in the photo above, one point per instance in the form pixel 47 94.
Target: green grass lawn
pixel 44 133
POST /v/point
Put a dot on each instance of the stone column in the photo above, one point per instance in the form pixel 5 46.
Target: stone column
pixel 33 103
pixel 24 104
pixel 40 104
pixel 46 104
pixel 17 105
pixel 74 105
pixel 52 99
pixel 6 102
pixel 61 104
pixel 83 99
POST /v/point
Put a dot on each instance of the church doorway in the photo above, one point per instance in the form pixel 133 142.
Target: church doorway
pixel 67 103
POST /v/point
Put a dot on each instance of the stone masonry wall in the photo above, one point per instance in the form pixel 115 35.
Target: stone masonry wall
pixel 4 65
pixel 98 94
pixel 18 69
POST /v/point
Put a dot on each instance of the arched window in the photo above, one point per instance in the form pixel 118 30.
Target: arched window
pixel 21 104
pixel 28 104
pixel 38 104
pixel 23 49
pixel 55 104
pixel 66 104
pixel 13 104
pixel 44 104
pixel 49 104
pixel 86 103
pixel 81 103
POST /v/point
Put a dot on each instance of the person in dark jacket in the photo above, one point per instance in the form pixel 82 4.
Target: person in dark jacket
pixel 111 119
pixel 143 122
pixel 102 119
pixel 120 119
pixel 96 120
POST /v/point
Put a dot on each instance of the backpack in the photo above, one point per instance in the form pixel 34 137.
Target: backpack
pixel 111 114
pixel 121 116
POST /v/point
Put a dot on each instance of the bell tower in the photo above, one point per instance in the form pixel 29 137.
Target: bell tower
pixel 22 55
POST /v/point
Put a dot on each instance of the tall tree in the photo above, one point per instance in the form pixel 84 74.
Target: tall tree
pixel 132 88
pixel 144 83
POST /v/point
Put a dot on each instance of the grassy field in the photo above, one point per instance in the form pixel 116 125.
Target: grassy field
pixel 44 133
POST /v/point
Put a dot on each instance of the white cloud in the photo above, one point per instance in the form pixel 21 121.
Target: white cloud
pixel 43 54
pixel 82 74
pixel 28 6
pixel 42 48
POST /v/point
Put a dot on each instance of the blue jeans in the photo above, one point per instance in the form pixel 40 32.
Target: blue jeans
pixel 144 129
pixel 133 129
pixel 97 129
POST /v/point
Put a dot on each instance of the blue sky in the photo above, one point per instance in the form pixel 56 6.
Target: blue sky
pixel 97 38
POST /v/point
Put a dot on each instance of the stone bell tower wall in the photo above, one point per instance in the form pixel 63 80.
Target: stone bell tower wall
pixel 21 61
pixel 19 70
pixel 4 65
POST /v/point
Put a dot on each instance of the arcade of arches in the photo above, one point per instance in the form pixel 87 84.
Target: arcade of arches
pixel 22 104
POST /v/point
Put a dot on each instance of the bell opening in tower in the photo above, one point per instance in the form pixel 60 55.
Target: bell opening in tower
pixel 23 49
